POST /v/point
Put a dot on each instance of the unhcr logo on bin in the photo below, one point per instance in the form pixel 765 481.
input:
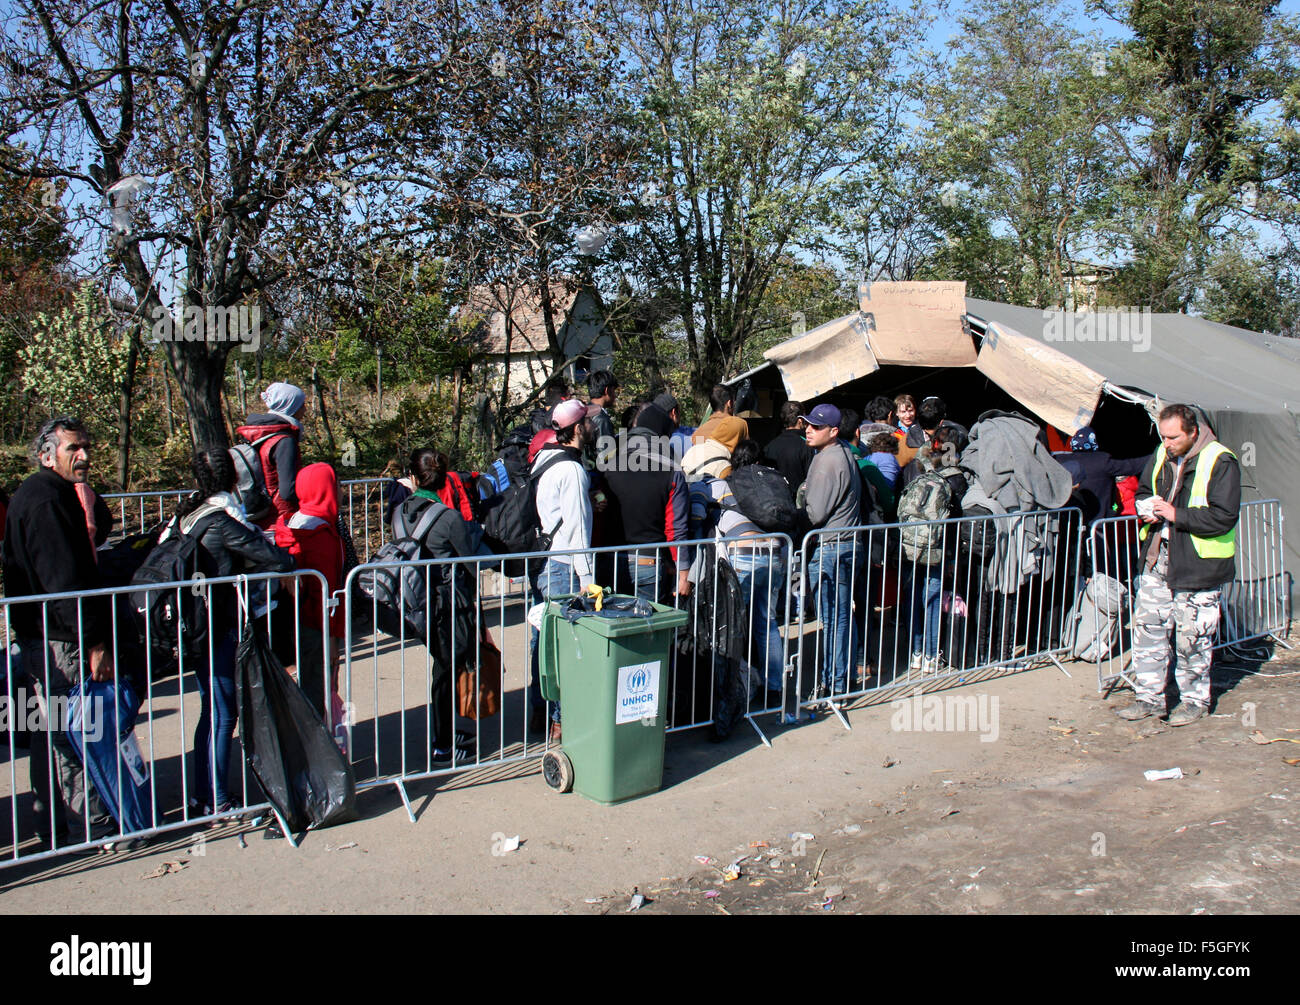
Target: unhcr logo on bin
pixel 638 693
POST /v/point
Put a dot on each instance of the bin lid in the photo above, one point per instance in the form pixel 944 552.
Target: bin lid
pixel 619 616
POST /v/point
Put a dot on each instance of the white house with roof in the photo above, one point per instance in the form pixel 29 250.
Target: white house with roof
pixel 512 335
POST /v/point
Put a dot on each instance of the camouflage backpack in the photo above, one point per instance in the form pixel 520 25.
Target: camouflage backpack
pixel 928 498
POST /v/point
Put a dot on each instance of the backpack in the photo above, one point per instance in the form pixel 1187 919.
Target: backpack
pixel 175 618
pixel 1092 628
pixel 928 498
pixel 119 562
pixel 510 522
pixel 397 593
pixel 250 480
pixel 980 537
pixel 762 495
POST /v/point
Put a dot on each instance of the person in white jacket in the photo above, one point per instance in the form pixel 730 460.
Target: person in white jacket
pixel 563 496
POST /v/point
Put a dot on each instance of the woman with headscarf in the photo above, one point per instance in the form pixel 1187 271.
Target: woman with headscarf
pixel 275 434
pixel 311 536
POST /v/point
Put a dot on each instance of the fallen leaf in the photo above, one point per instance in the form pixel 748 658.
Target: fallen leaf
pixel 165 869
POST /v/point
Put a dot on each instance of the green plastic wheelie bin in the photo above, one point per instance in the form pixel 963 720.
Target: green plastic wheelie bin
pixel 611 677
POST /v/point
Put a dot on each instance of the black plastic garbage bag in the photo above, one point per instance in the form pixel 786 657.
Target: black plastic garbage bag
pixel 293 756
pixel 615 606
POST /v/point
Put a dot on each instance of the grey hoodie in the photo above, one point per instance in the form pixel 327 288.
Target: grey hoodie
pixel 833 488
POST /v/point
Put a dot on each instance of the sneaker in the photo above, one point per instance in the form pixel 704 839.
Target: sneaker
pixel 932 666
pixel 1186 713
pixel 819 693
pixel 1140 710
pixel 914 665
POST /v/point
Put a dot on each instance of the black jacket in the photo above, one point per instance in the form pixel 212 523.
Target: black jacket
pixel 1095 471
pixel 449 537
pixel 1187 570
pixel 47 550
pixel 790 454
pixel 228 548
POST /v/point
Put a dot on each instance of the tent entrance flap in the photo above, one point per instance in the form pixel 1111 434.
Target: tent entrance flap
pixel 1049 383
pixel 826 357
pixel 918 324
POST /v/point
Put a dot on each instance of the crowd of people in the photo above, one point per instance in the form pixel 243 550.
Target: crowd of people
pixel 869 492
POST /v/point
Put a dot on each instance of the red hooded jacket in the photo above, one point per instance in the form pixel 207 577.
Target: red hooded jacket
pixel 279 457
pixel 318 547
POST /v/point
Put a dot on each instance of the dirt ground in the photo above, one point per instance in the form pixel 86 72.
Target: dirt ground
pixel 1042 810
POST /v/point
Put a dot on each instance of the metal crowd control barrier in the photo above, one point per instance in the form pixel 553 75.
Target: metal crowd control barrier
pixel 902 605
pixel 137 512
pixel 363 504
pixel 87 788
pixel 392 678
pixel 1255 605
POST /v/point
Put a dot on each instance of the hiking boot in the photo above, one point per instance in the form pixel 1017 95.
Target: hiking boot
pixel 1186 713
pixel 1140 710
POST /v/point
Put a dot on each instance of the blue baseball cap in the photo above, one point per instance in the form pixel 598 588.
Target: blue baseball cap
pixel 823 415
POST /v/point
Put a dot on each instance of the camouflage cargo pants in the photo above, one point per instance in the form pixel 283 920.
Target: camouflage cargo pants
pixel 1193 618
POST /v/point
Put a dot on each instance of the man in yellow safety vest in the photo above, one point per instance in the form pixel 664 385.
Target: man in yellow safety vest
pixel 1188 500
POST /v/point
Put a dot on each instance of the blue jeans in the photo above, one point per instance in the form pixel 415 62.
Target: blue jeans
pixel 556 580
pixel 212 750
pixel 834 568
pixel 761 574
pixel 927 593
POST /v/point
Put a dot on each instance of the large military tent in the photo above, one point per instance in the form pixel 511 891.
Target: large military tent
pixel 1112 370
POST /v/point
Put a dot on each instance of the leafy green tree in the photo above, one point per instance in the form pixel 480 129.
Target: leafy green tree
pixel 757 119
pixel 1250 290
pixel 1015 157
pixel 1207 136
pixel 75 359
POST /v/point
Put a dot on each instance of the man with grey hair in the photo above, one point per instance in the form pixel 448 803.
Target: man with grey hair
pixel 47 550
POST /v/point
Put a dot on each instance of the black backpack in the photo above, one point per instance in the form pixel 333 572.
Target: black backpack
pixel 397 593
pixel 175 618
pixel 250 480
pixel 762 495
pixel 510 522
pixel 119 562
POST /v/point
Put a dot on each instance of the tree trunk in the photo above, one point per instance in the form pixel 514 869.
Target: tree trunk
pixel 167 400
pixel 200 371
pixel 320 405
pixel 455 416
pixel 124 411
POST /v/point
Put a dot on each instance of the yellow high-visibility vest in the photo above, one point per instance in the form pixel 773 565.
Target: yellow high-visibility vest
pixel 1222 546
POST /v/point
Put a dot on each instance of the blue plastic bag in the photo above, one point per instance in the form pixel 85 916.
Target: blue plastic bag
pixel 101 723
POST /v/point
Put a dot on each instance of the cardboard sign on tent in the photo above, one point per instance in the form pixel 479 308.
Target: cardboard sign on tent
pixel 826 357
pixel 918 324
pixel 1050 384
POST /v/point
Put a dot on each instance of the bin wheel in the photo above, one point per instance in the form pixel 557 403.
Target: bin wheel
pixel 557 770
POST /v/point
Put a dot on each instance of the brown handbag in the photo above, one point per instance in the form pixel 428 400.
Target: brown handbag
pixel 488 678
